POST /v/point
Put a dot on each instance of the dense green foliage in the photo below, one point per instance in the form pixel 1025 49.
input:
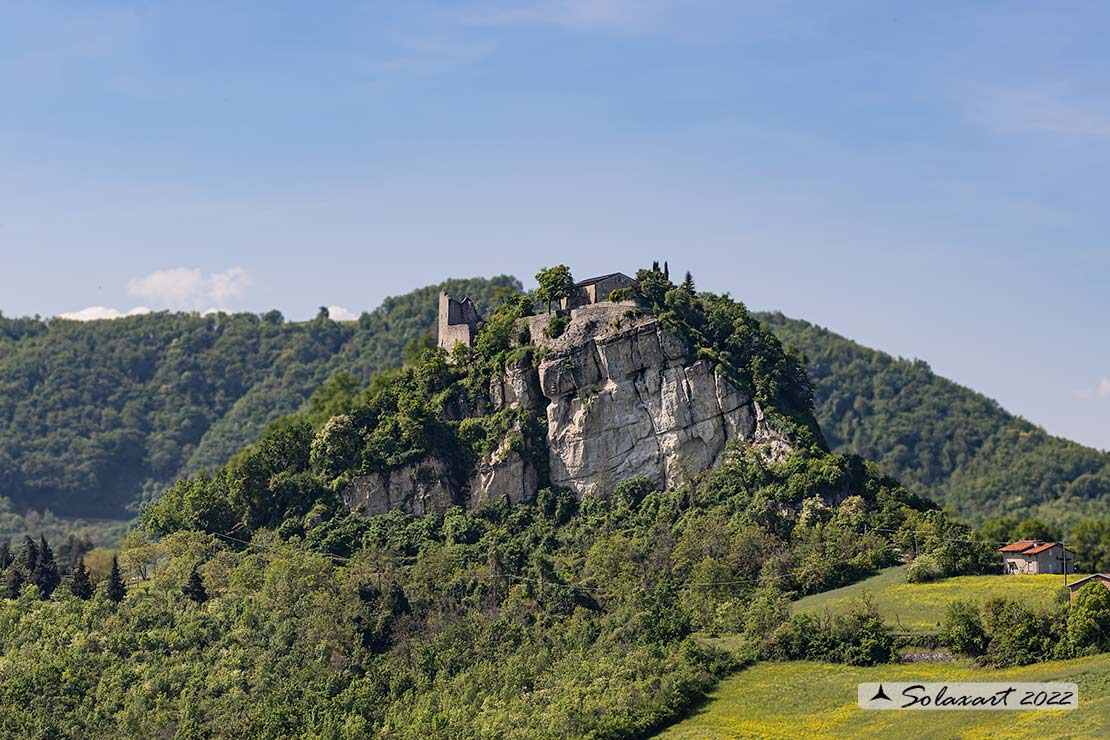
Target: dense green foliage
pixel 1007 632
pixel 96 415
pixel 942 440
pixel 557 618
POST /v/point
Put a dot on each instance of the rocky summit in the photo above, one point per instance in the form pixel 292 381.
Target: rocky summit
pixel 623 398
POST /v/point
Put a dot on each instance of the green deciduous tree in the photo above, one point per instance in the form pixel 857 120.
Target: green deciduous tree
pixel 1089 619
pixel 556 283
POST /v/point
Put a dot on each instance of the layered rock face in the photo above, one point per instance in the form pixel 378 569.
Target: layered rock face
pixel 415 489
pixel 623 399
pixel 627 402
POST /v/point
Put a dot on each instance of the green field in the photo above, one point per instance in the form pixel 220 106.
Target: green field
pixel 919 606
pixel 818 700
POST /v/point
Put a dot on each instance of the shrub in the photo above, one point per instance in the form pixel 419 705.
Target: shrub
pixel 556 325
pixel 962 629
pixel 857 637
pixel 1089 619
pixel 924 568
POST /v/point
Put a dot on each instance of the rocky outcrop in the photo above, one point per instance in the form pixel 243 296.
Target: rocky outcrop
pixel 629 403
pixel 504 474
pixel 623 398
pixel 421 488
pixel 519 385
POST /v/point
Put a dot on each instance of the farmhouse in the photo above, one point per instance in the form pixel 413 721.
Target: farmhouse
pixel 1031 557
pixel 1103 578
pixel 597 289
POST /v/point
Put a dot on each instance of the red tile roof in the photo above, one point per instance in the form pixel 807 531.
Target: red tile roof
pixel 1019 546
pixel 1029 547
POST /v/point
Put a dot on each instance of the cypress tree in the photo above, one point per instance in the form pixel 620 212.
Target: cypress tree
pixel 28 555
pixel 81 586
pixel 194 589
pixel 45 574
pixel 116 589
pixel 13 582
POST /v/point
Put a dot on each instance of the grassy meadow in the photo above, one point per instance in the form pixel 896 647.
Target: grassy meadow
pixel 809 700
pixel 920 606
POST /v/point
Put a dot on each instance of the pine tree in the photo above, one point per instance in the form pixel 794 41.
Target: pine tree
pixel 116 589
pixel 81 586
pixel 688 283
pixel 13 582
pixel 45 574
pixel 28 555
pixel 194 589
pixel 6 557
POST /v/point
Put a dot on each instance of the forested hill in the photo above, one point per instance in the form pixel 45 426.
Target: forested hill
pixel 97 415
pixel 943 440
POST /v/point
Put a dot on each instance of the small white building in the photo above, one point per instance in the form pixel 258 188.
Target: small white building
pixel 1032 557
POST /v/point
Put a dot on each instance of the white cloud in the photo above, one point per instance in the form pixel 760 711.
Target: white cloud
pixel 338 313
pixel 188 287
pixel 94 313
pixel 1101 391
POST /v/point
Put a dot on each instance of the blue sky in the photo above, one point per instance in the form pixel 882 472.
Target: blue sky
pixel 926 178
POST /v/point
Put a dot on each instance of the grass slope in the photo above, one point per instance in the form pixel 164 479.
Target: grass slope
pixel 818 700
pixel 919 606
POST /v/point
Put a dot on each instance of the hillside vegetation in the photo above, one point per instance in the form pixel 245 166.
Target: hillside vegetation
pixel 266 610
pixel 98 415
pixel 943 440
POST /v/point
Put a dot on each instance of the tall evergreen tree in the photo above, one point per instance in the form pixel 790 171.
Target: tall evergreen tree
pixel 81 586
pixel 194 589
pixel 28 555
pixel 688 283
pixel 6 557
pixel 13 581
pixel 116 589
pixel 45 574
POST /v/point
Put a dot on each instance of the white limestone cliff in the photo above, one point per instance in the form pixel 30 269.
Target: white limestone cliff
pixel 623 399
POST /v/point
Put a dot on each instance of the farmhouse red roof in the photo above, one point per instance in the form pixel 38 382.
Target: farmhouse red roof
pixel 1019 546
pixel 1029 547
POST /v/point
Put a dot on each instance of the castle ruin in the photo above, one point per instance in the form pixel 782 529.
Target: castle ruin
pixel 458 321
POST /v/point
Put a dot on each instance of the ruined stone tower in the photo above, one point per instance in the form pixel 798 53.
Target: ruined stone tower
pixel 458 321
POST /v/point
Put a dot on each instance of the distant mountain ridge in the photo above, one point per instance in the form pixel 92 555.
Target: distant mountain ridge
pixel 943 440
